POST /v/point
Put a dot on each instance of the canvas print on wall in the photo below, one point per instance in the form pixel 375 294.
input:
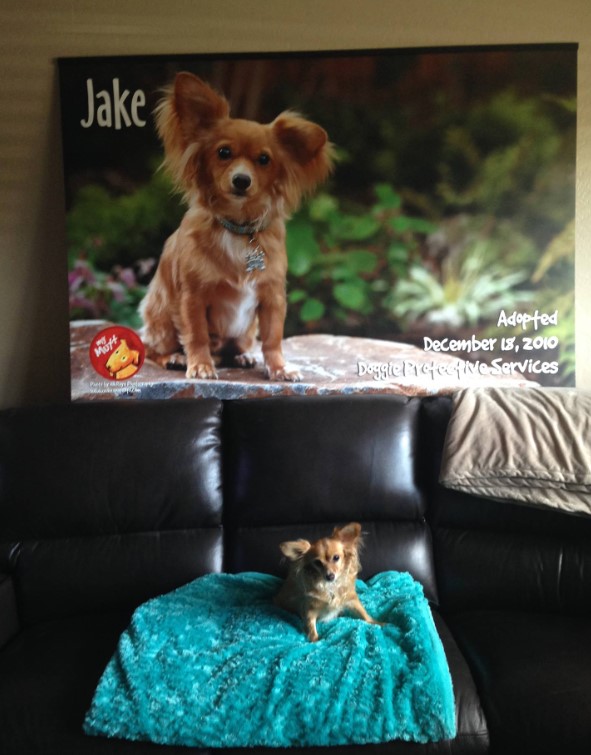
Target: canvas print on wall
pixel 379 221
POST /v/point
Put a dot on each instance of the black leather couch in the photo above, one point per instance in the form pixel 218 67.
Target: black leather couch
pixel 105 505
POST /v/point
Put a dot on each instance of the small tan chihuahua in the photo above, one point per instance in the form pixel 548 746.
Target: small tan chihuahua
pixel 320 583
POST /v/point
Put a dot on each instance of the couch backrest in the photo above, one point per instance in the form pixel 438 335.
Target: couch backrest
pixel 104 505
pixel 495 554
pixel 295 467
pixel 107 504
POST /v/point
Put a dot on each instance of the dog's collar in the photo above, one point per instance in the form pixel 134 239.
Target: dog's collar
pixel 255 255
pixel 242 229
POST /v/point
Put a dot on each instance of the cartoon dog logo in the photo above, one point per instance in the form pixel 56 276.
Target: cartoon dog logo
pixel 123 362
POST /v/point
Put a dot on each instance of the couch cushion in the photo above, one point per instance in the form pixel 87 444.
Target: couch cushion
pixel 64 576
pixel 306 459
pixel 495 566
pixel 48 675
pixel 105 504
pixel 532 671
pixel 492 554
pixel 472 728
pixel 47 678
pixel 8 614
pixel 295 467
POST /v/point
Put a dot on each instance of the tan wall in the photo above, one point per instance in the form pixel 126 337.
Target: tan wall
pixel 34 365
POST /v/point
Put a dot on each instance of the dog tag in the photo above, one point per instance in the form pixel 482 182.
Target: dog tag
pixel 255 258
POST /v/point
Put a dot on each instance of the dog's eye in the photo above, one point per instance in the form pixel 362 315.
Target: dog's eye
pixel 317 562
pixel 224 153
pixel 264 159
pixel 336 557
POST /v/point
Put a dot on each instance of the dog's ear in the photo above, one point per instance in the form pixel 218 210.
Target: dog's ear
pixel 295 549
pixel 302 139
pixel 197 105
pixel 307 155
pixel 189 108
pixel 348 534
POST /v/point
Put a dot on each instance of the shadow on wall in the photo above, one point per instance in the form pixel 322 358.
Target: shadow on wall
pixel 41 348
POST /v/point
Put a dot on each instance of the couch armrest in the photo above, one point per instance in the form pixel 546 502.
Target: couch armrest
pixel 8 614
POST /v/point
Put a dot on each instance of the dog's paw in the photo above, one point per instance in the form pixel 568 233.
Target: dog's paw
pixel 176 361
pixel 287 373
pixel 204 371
pixel 245 360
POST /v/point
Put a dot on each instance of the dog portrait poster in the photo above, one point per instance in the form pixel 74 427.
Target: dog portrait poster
pixel 300 223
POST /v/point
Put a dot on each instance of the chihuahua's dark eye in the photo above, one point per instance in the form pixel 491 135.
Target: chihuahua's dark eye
pixel 264 159
pixel 224 153
pixel 317 562
pixel 336 557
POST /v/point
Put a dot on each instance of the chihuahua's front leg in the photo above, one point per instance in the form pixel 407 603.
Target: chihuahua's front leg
pixel 271 321
pixel 356 606
pixel 194 335
pixel 311 630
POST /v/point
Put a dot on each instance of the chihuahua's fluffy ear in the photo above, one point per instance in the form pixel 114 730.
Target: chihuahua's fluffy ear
pixel 295 549
pixel 308 156
pixel 197 105
pixel 189 108
pixel 349 534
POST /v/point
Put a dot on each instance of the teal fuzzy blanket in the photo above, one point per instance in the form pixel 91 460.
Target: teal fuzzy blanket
pixel 216 664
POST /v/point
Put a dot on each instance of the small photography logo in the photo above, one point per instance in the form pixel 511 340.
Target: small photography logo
pixel 117 353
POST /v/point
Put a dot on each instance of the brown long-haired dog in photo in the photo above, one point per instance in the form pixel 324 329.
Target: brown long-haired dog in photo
pixel 320 583
pixel 223 271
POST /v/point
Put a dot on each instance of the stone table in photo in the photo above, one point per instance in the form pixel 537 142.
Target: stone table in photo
pixel 328 365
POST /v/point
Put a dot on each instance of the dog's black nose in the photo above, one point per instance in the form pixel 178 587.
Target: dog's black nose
pixel 241 182
pixel 330 576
